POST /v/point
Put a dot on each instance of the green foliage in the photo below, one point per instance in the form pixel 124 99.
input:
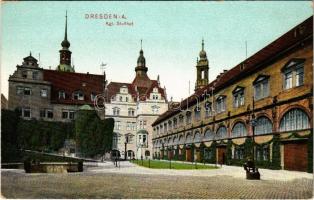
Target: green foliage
pixel 276 161
pixel 43 135
pixel 93 135
pixel 9 122
pixel 229 152
pixel 211 149
pixel 248 148
pixel 155 164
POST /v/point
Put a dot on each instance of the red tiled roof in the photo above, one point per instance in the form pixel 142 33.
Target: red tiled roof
pixel 70 82
pixel 260 59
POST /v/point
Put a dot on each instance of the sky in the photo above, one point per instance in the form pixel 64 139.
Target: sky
pixel 171 32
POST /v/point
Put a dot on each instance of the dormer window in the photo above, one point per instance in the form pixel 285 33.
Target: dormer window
pixel 188 117
pixel 208 109
pixel 261 87
pixel 124 89
pixel 61 94
pixel 221 104
pixel 238 96
pixel 78 95
pixel 197 113
pixel 155 90
pixel 293 73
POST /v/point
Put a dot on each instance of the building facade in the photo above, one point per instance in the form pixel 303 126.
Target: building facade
pixel 56 95
pixel 260 109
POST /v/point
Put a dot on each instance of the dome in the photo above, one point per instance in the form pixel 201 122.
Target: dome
pixel 202 54
pixel 65 43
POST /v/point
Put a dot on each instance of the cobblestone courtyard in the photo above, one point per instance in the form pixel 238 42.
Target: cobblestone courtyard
pixel 97 183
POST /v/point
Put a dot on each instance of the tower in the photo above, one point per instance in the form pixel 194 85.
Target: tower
pixel 65 53
pixel 201 69
pixel 141 68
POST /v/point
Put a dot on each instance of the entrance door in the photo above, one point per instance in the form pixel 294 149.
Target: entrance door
pixel 222 155
pixel 295 156
pixel 189 155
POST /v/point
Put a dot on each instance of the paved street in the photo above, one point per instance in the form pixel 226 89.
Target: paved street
pixel 131 181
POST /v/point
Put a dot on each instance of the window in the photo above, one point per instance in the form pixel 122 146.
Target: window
pixel 294 119
pixel 238 97
pixel 35 75
pixel 188 139
pixel 181 119
pixel 263 126
pixel 49 114
pixel 142 124
pixel 165 127
pixel 46 113
pixel 27 91
pixel 120 98
pixel 170 124
pixel 24 74
pixel 299 75
pixel 261 87
pixel 197 113
pixel 188 117
pixel 208 154
pixel 262 153
pixel 71 114
pixel 288 79
pixel 209 135
pixel 128 126
pixel 208 109
pixel 42 113
pixel 115 140
pixel 126 99
pixel 239 152
pixel 65 115
pixel 44 93
pixel 78 95
pixel 93 96
pixel 68 114
pixel 238 130
pixel 19 90
pixel 131 112
pixel 293 73
pixel 221 132
pixel 116 111
pixel 175 123
pixel 117 125
pixel 133 126
pixel 26 112
pixel 61 95
pixel 221 104
pixel 197 137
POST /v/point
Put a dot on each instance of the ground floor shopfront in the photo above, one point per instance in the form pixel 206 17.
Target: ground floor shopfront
pixel 288 150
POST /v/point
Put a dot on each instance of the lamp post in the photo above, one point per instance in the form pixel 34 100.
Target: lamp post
pixel 253 124
pixel 125 145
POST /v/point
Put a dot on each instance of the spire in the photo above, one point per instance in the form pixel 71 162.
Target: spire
pixel 66 26
pixel 65 43
pixel 30 53
pixel 141 59
pixel 203 44
pixel 141 44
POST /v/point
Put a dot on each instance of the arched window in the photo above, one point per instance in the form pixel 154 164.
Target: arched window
pixel 188 139
pixel 197 137
pixel 116 111
pixel 209 135
pixel 169 141
pixel 294 119
pixel 175 140
pixel 239 130
pixel 263 126
pixel 181 140
pixel 197 113
pixel 221 132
